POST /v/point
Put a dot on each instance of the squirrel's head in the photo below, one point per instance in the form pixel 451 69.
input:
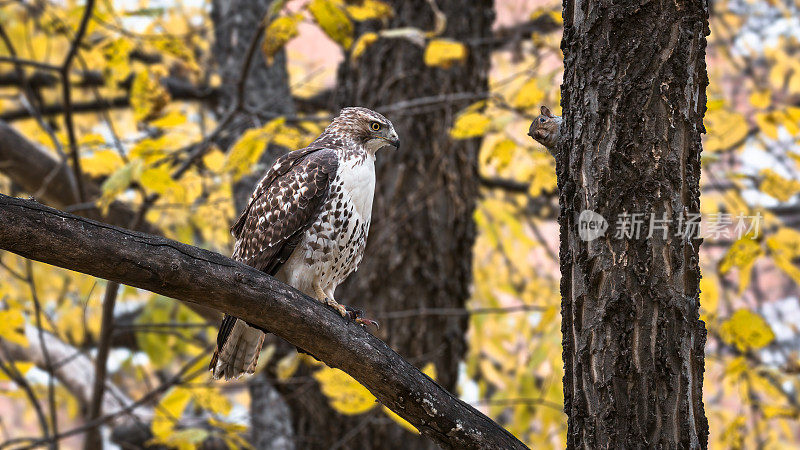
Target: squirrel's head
pixel 545 128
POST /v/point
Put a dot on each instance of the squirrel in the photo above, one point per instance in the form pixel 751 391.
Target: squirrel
pixel 546 130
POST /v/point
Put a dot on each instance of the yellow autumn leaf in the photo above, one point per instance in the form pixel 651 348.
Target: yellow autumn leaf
pixel 746 330
pixel 333 21
pixel 245 153
pixel 542 174
pixel 121 178
pixel 369 10
pixel 364 41
pixel 209 398
pixel 502 152
pixel 278 33
pixel 116 53
pixel 444 53
pixel 287 366
pixel 469 125
pixel 20 366
pixel 761 99
pixel 13 329
pixel 169 410
pixel 709 294
pixel 171 119
pixel 148 96
pixel 158 179
pixel 214 160
pixel 724 129
pixel 742 255
pixel 102 162
pixel 399 420
pixel 529 95
pixel 777 186
pixel 345 394
pixel 768 123
pixel 784 247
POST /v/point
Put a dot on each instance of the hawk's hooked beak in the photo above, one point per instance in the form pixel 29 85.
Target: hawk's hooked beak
pixel 394 140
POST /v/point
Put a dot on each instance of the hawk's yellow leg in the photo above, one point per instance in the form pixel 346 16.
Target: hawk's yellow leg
pixel 328 300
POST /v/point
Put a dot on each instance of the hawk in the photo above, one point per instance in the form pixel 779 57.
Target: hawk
pixel 307 223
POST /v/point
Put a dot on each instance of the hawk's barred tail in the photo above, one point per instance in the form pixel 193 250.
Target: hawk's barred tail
pixel 237 354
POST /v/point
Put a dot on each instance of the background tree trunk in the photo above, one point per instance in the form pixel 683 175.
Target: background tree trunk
pixel 266 90
pixel 419 253
pixel 633 100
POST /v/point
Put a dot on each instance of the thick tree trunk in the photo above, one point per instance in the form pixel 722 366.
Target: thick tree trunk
pixel 633 99
pixel 419 253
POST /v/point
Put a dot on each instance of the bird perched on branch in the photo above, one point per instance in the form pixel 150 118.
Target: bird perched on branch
pixel 307 224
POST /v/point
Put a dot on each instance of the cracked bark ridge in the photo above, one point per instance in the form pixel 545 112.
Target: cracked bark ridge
pixel 633 100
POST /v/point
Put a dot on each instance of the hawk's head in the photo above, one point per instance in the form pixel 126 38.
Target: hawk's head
pixel 367 127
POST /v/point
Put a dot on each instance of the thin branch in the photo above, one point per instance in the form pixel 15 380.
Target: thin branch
pixel 37 307
pixel 13 374
pixel 199 276
pixel 67 94
pixel 93 438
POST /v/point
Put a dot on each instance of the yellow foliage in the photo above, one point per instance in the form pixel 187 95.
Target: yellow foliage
pixel 248 149
pixel 170 119
pixel 724 129
pixel 364 41
pixel 469 125
pixel 158 179
pixel 444 53
pixel 20 366
pixel 148 96
pixel 746 330
pixel 742 255
pixel 761 99
pixel 784 246
pixel 345 394
pixel 101 162
pixel 169 411
pixel 13 329
pixel 369 10
pixel 210 399
pixel 121 178
pixel 214 160
pixel 333 21
pixel 709 294
pixel 287 366
pixel 278 33
pixel 529 95
pixel 777 186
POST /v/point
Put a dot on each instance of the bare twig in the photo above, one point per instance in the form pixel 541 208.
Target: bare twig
pixel 51 396
pixel 93 438
pixel 67 97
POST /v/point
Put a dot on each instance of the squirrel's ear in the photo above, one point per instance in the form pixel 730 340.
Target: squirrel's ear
pixel 546 111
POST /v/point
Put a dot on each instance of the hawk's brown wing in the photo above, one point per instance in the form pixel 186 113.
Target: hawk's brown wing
pixel 286 202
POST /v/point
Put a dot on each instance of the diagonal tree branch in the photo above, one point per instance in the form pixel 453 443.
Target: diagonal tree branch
pixel 199 276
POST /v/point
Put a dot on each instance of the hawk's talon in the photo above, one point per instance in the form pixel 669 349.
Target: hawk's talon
pixel 357 316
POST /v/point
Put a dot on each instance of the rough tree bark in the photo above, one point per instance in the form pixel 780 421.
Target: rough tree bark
pixel 633 100
pixel 419 253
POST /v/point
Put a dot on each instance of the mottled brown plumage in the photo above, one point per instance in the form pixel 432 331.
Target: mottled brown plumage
pixel 307 223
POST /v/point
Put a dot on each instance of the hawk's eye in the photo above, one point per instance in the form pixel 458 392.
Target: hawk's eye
pixel 376 126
